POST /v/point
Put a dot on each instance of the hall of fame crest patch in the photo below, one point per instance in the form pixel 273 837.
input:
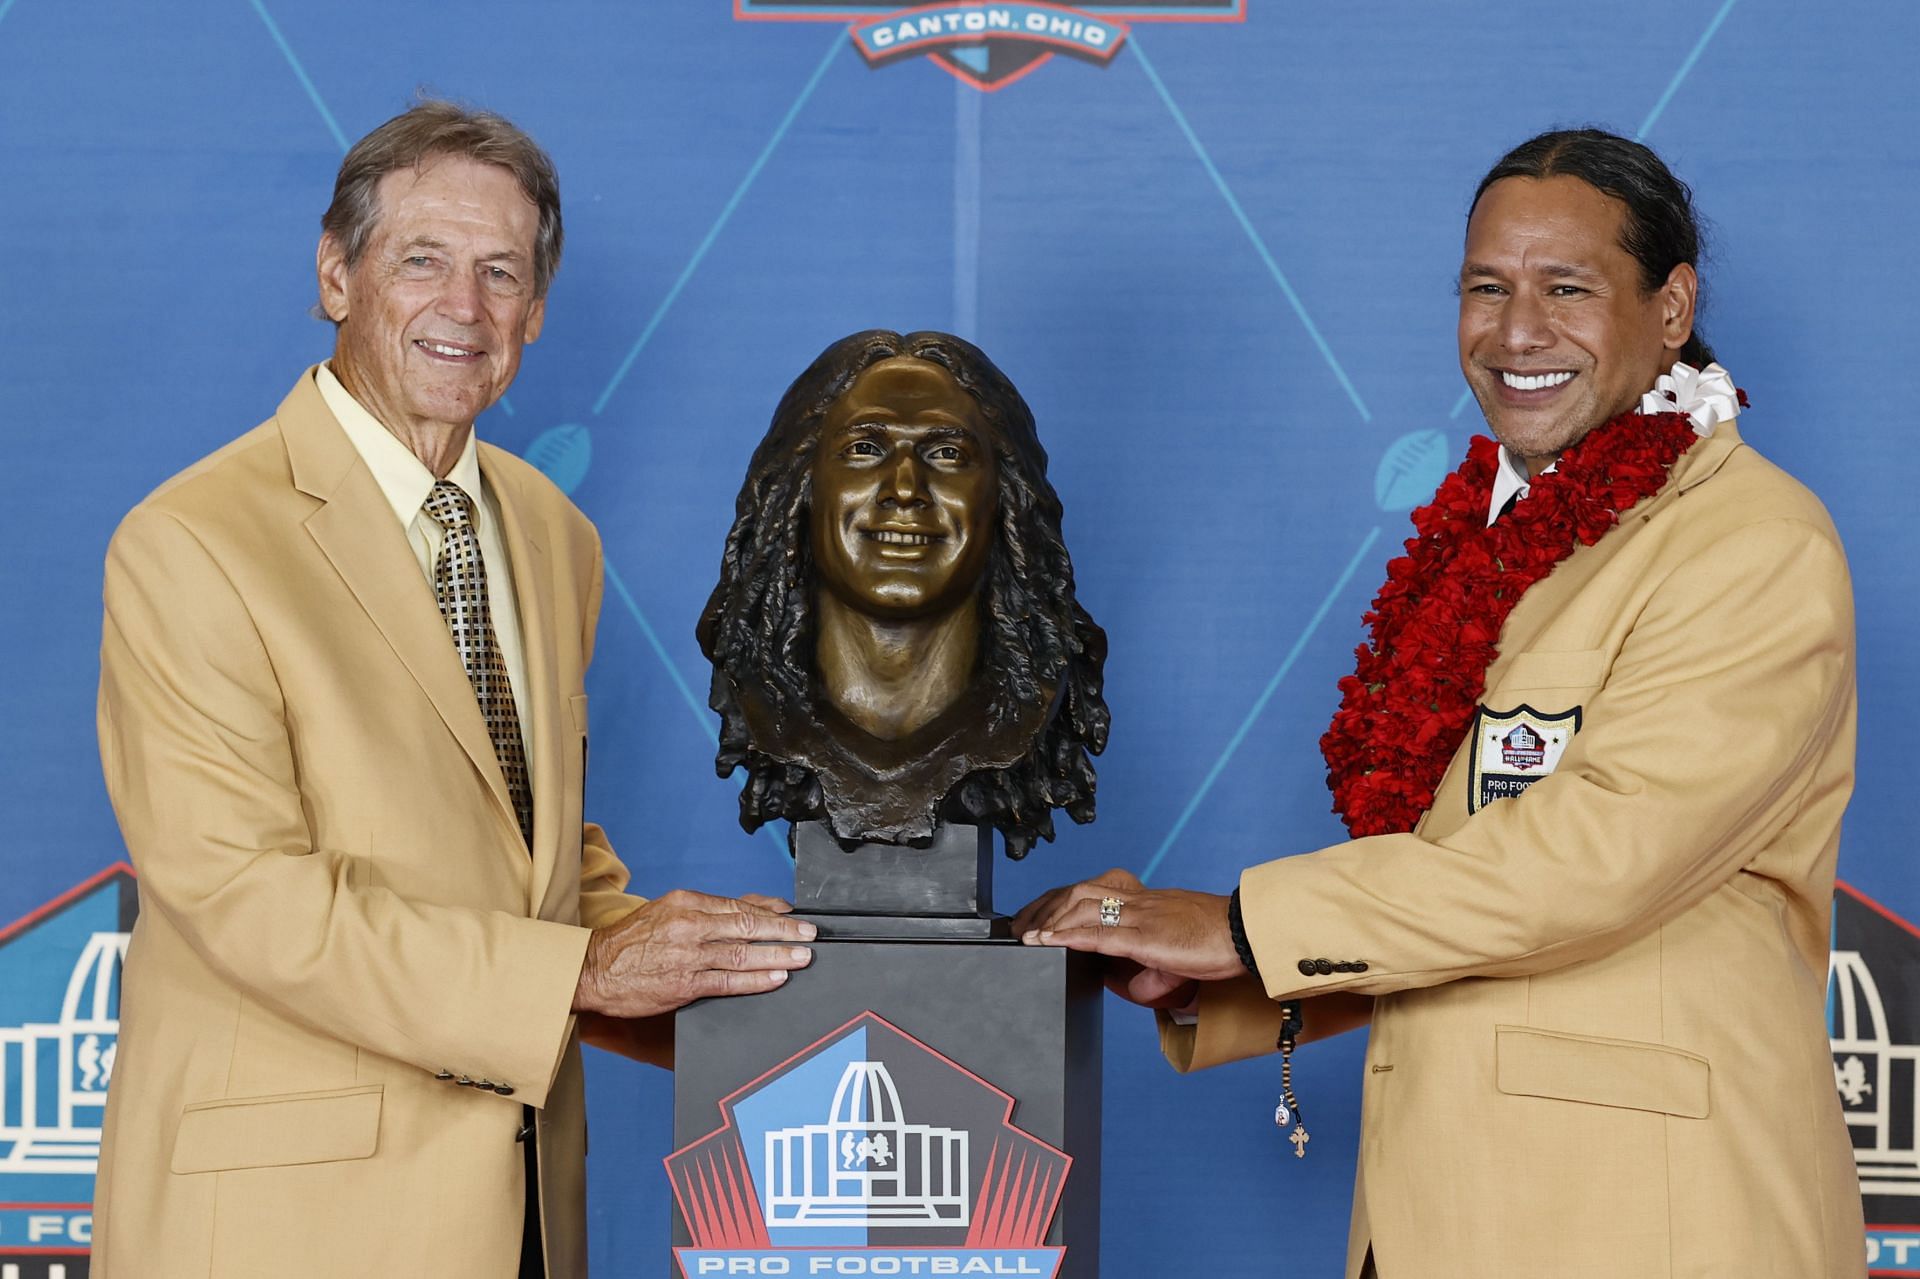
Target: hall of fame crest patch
pixel 1509 751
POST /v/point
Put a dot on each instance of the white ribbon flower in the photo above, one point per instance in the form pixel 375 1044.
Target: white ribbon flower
pixel 1707 396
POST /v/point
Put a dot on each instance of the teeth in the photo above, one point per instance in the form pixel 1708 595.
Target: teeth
pixel 1538 382
pixel 892 538
pixel 438 349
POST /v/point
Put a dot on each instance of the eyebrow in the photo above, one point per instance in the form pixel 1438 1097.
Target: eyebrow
pixel 433 242
pixel 874 426
pixel 1553 270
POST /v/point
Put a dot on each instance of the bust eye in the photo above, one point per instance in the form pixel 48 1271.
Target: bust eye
pixel 863 448
pixel 946 453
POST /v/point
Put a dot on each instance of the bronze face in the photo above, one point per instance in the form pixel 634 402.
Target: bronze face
pixel 904 488
pixel 895 634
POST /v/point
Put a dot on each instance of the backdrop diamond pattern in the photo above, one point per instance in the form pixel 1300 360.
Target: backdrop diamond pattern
pixel 1219 268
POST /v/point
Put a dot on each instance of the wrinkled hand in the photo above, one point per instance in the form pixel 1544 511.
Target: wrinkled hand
pixel 686 946
pixel 1172 936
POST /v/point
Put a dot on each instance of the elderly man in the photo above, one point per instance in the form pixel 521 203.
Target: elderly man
pixel 344 727
pixel 1594 758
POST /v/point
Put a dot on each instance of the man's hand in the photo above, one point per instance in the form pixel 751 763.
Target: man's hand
pixel 686 946
pixel 1172 935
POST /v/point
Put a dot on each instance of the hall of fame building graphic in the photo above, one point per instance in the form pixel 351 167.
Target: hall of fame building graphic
pixel 989 45
pixel 867 1152
pixel 1873 1019
pixel 59 1031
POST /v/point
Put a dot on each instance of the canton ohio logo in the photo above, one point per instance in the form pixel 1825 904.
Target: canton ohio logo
pixel 989 45
pixel 867 1153
pixel 59 1031
pixel 1873 1018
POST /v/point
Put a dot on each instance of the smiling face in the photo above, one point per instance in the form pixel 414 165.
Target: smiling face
pixel 904 486
pixel 433 315
pixel 1556 333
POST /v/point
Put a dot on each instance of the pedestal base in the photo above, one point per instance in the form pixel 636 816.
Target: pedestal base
pixel 911 1098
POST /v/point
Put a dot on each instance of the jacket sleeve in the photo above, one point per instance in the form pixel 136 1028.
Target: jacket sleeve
pixel 1237 1020
pixel 604 898
pixel 200 768
pixel 1695 755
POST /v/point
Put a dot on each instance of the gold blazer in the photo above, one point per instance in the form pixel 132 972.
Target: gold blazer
pixel 339 920
pixel 1598 1042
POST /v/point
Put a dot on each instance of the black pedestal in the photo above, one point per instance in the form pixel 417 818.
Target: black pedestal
pixel 883 891
pixel 893 1103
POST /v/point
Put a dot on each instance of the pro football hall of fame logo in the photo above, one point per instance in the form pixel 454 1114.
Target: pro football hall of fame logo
pixel 989 45
pixel 1873 1018
pixel 59 1025
pixel 867 1153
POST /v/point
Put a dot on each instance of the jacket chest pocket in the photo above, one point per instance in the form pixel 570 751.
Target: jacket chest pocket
pixel 1577 671
pixel 1525 724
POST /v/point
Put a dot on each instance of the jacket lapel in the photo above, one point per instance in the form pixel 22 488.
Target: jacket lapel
pixel 525 537
pixel 1695 467
pixel 354 528
pixel 1544 601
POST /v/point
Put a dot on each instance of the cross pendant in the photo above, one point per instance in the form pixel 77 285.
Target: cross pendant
pixel 1299 1140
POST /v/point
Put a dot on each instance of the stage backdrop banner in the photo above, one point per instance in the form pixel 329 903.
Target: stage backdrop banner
pixel 1212 241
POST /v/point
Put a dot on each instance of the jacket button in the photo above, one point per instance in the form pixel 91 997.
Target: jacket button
pixel 505 1090
pixel 1323 966
pixel 443 1074
pixel 464 1082
pixel 1359 965
pixel 1306 968
pixel 1343 967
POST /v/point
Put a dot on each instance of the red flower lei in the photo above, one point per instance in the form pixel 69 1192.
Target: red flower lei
pixel 1435 625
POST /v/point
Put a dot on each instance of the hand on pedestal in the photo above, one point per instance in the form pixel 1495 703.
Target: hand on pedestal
pixel 686 946
pixel 1159 941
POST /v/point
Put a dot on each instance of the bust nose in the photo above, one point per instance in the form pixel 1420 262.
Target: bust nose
pixel 906 481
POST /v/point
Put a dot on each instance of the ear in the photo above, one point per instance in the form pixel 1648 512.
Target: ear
pixel 330 264
pixel 536 317
pixel 1678 297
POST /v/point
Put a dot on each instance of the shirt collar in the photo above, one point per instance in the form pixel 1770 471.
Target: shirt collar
pixel 1510 480
pixel 402 477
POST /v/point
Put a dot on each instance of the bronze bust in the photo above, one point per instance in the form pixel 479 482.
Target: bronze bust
pixel 895 637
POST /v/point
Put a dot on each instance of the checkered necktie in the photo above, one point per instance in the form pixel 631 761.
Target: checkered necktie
pixel 460 584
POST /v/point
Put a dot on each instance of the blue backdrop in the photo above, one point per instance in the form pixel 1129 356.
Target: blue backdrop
pixel 1218 264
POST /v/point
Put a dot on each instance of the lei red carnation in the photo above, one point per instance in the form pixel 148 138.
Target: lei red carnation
pixel 1435 625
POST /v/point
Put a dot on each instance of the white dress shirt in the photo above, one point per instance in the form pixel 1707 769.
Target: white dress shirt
pixel 1510 480
pixel 406 482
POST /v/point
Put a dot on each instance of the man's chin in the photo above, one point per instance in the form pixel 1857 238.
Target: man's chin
pixel 452 404
pixel 1533 439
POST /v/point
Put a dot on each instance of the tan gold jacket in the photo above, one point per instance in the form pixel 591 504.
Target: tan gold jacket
pixel 1598 1043
pixel 336 905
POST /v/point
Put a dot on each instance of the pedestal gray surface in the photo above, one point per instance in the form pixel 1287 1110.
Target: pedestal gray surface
pixel 1025 1019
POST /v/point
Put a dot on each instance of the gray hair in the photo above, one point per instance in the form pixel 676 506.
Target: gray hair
pixel 429 130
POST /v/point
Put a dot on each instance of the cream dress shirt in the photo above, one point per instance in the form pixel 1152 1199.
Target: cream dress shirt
pixel 406 481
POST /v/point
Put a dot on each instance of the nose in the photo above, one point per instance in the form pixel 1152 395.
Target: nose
pixel 460 298
pixel 1524 324
pixel 906 484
